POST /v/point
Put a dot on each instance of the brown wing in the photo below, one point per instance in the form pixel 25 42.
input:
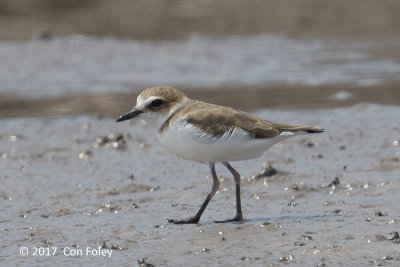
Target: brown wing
pixel 219 120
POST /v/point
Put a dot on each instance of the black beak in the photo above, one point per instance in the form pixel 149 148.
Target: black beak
pixel 130 115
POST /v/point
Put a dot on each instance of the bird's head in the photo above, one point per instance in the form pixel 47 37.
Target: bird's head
pixel 155 105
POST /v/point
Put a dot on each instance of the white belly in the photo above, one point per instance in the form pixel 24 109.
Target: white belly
pixel 186 144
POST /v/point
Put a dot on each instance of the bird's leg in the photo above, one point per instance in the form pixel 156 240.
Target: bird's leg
pixel 196 218
pixel 239 216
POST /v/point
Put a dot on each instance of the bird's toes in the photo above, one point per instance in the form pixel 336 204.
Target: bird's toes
pixel 184 221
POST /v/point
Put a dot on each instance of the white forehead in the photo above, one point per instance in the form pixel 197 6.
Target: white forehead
pixel 143 102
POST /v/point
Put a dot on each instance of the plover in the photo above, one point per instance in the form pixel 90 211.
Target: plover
pixel 209 133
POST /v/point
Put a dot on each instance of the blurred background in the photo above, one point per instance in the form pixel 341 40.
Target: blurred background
pixel 63 57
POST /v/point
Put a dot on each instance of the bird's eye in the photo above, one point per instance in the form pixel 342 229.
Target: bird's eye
pixel 156 103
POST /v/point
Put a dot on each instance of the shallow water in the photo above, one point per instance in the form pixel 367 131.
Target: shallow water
pixel 64 183
pixel 82 64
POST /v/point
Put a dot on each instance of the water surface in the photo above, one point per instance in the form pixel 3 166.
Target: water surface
pixel 83 64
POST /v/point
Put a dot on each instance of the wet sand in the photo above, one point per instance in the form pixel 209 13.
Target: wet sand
pixel 244 97
pixel 172 19
pixel 67 183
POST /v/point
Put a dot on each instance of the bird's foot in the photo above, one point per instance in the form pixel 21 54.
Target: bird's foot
pixel 193 219
pixel 237 218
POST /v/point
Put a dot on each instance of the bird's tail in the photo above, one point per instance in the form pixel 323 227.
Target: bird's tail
pixel 298 129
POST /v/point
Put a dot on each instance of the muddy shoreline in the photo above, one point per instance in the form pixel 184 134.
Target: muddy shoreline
pixel 173 19
pixel 242 97
pixel 81 182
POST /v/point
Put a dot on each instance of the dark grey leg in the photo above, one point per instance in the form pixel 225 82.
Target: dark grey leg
pixel 239 216
pixel 196 218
